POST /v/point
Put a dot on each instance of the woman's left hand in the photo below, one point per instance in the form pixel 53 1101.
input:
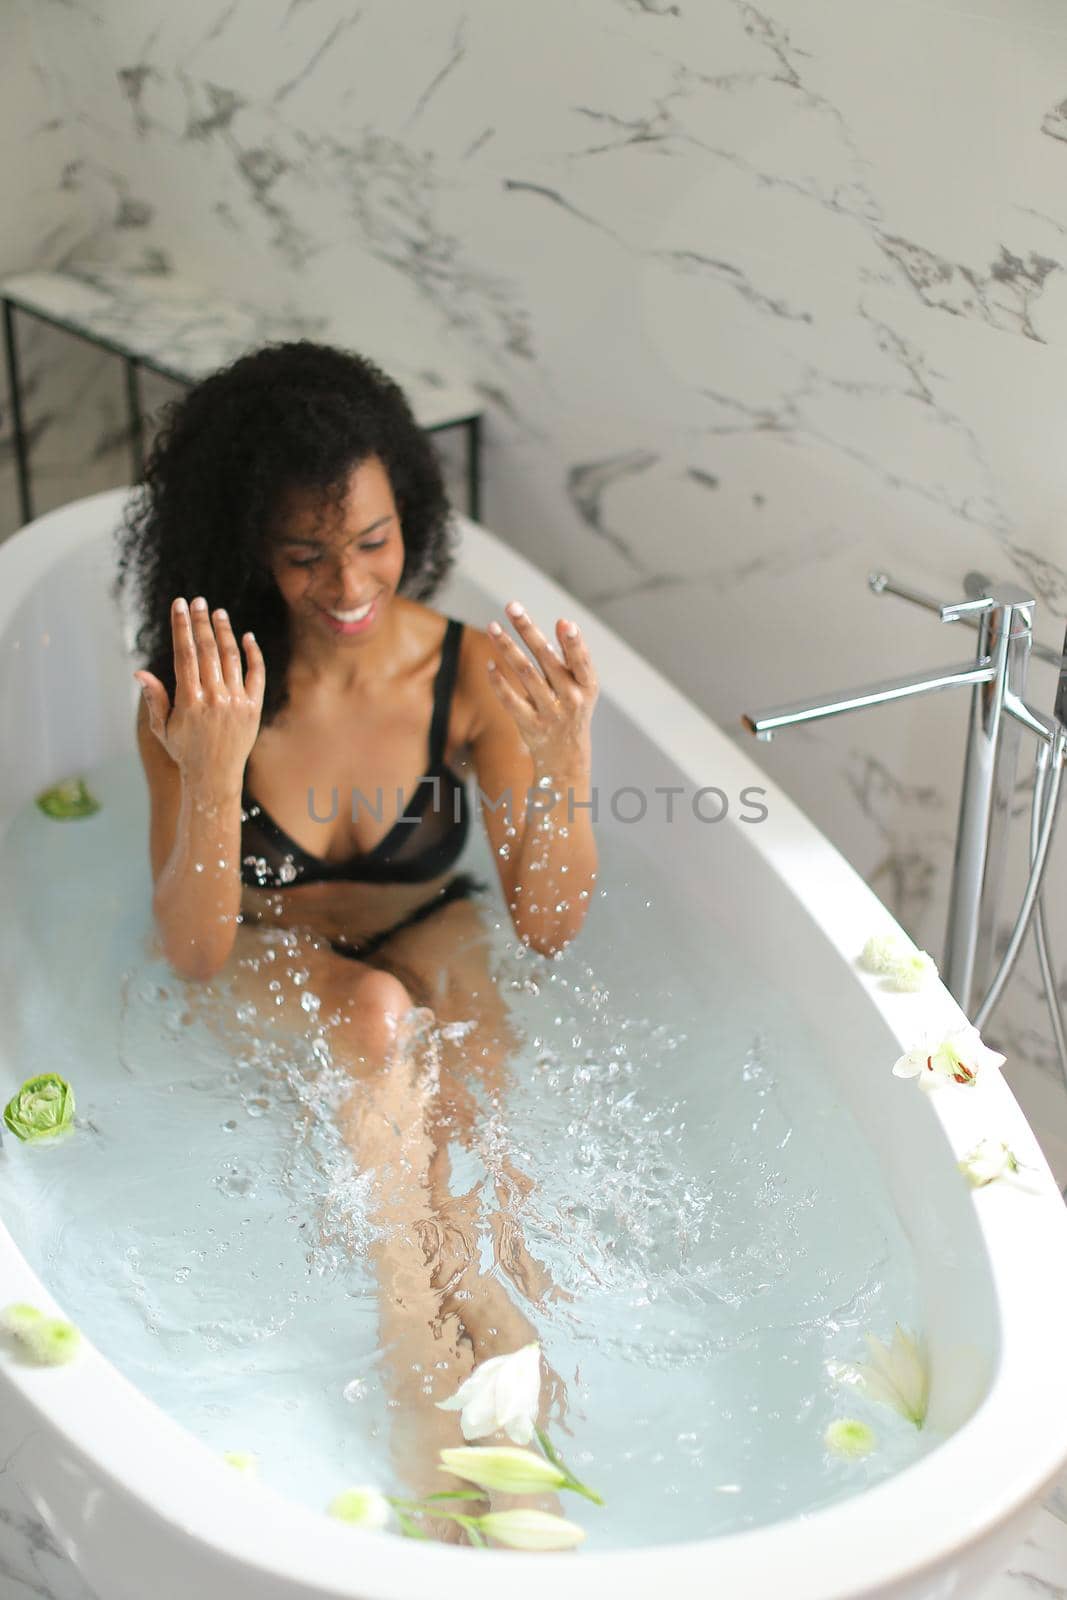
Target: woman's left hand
pixel 551 700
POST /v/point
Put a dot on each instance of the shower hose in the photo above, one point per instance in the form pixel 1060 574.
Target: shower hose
pixel 1043 811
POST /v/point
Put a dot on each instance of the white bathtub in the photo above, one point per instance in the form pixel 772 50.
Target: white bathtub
pixel 143 1508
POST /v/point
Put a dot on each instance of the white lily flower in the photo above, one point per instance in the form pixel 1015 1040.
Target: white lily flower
pixel 531 1530
pixel 503 1392
pixel 990 1159
pixel 362 1507
pixel 957 1058
pixel 897 1376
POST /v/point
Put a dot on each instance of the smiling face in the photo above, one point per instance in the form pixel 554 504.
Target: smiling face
pixel 338 575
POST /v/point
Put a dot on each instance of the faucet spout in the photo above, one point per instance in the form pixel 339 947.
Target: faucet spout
pixel 764 724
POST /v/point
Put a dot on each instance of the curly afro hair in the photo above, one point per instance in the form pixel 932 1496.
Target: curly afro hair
pixel 297 415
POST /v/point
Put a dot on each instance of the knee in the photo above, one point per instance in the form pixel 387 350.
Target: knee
pixel 378 1005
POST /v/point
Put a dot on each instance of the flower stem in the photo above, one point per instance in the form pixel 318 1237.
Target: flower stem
pixel 558 1462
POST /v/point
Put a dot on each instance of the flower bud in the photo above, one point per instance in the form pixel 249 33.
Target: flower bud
pixel 513 1471
pixel 526 1529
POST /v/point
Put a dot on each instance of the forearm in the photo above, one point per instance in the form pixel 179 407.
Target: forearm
pixel 555 866
pixel 198 894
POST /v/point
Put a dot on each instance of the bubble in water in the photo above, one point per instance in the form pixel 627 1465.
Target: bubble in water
pixel 235 1183
pixel 355 1389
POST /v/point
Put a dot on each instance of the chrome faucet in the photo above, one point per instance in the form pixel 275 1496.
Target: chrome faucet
pixel 1003 615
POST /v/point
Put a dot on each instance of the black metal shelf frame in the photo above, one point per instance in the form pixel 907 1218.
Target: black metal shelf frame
pixel 134 362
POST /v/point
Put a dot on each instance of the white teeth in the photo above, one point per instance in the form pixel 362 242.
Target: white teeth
pixel 353 616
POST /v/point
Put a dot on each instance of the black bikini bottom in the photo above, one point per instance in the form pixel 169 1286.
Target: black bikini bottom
pixel 459 887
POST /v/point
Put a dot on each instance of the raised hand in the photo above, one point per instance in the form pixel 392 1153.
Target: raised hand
pixel 551 700
pixel 211 727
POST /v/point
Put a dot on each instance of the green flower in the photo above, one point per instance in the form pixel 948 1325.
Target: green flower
pixel 19 1318
pixel 67 800
pixel 363 1507
pixel 850 1438
pixel 42 1108
pixel 50 1340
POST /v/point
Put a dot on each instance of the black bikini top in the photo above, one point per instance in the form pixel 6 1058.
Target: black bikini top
pixel 424 842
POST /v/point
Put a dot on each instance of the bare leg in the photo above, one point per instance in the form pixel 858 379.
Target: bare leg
pixel 439 1314
pixel 446 961
pixel 371 1026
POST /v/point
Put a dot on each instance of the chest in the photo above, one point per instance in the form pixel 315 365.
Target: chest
pixel 336 780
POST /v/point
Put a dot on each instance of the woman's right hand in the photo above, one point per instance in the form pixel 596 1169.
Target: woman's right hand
pixel 214 721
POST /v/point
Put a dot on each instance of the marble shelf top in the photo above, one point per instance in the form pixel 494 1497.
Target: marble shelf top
pixel 184 331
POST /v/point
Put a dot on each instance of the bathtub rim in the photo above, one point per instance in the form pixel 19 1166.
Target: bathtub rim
pixel 214 1504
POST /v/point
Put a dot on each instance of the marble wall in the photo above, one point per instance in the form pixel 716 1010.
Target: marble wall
pixel 759 298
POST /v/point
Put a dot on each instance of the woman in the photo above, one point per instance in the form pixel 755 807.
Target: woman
pixel 292 502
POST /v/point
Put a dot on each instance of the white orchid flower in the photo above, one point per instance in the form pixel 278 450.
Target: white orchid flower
pixel 958 1058
pixel 363 1507
pixel 524 1529
pixel 897 1376
pixel 503 1392
pixel 990 1159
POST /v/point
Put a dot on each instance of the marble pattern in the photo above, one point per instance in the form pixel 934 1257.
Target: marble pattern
pixel 187 333
pixel 759 295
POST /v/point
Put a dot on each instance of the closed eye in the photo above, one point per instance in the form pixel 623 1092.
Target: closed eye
pixel 311 561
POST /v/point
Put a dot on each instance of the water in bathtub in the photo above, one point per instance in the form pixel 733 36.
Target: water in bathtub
pixel 711 1216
